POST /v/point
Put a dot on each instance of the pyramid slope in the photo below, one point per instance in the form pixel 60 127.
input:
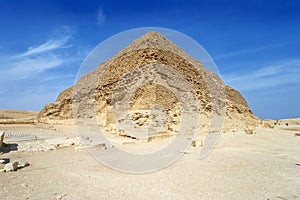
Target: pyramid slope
pixel 150 49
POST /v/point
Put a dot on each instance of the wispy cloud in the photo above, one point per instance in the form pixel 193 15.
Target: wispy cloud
pixel 40 66
pixel 100 17
pixel 39 73
pixel 38 58
pixel 29 67
pixel 62 36
pixel 247 51
pixel 47 46
pixel 267 77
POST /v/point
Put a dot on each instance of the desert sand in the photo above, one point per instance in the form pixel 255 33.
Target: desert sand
pixel 262 165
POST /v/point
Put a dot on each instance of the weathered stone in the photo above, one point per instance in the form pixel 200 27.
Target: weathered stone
pixel 1 138
pixel 249 131
pixel 91 146
pixel 62 142
pixel 123 140
pixel 19 137
pixel 297 134
pixel 22 164
pixel 269 123
pixel 35 146
pixel 159 136
pixel 196 143
pixel 155 50
pixel 2 161
pixel 10 167
pixel 110 118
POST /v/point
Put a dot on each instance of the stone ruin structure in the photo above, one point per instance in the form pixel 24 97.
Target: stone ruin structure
pixel 95 98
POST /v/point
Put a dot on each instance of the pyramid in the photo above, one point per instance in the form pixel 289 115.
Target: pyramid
pixel 92 99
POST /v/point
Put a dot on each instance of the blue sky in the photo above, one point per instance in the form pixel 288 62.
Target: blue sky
pixel 255 44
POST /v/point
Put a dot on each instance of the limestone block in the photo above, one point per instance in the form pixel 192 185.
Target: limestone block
pixel 1 138
pixel 196 143
pixel 10 167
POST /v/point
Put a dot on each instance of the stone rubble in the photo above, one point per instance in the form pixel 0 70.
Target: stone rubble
pixel 14 166
pixel 196 143
pixel 63 142
pixel 249 131
pixel 22 164
pixel 10 167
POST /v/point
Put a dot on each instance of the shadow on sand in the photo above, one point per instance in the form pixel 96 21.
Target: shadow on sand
pixel 6 148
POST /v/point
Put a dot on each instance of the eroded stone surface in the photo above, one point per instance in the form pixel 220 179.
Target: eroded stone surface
pixel 14 166
pixel 10 167
pixel 1 138
pixel 96 89
pixel 62 142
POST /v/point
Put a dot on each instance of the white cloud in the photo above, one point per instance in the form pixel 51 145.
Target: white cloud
pixel 31 66
pixel 38 58
pixel 30 79
pixel 62 36
pixel 267 77
pixel 50 45
pixel 100 17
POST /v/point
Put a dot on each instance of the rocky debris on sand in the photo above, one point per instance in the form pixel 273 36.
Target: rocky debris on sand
pixel 196 143
pixel 22 164
pixel 63 142
pixel 48 144
pixel 269 123
pixel 13 166
pixel 249 131
pixel 297 134
pixel 10 167
pixel 100 145
pixel 35 146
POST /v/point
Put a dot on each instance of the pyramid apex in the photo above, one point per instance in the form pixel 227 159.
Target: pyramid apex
pixel 153 34
pixel 151 39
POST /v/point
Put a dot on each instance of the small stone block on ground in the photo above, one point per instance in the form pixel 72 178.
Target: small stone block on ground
pixel 22 164
pixel 10 167
pixel 1 138
pixel 196 143
pixel 249 131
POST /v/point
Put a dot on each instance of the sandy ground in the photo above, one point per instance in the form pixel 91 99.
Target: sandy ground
pixel 264 165
pixel 17 117
pixel 14 114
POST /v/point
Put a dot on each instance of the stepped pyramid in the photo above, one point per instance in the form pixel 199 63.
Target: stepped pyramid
pixel 92 98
